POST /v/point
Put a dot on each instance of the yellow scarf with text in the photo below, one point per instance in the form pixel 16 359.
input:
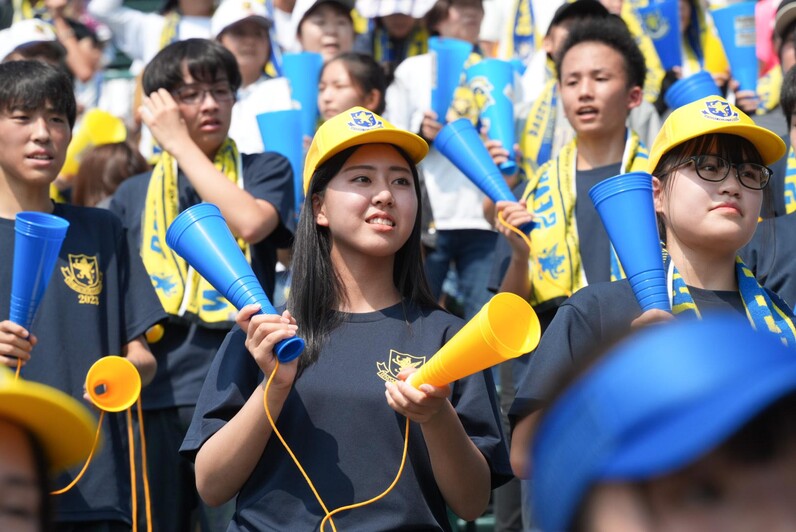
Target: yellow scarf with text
pixel 551 197
pixel 182 291
pixel 536 144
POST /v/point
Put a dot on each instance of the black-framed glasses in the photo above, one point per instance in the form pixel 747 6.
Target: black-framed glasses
pixel 194 94
pixel 716 169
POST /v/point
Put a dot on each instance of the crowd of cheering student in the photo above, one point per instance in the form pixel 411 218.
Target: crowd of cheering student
pixel 391 251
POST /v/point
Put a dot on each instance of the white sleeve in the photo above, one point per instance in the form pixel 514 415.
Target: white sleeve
pixel 130 28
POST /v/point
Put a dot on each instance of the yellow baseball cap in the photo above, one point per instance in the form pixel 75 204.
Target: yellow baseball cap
pixel 355 127
pixel 711 115
pixel 63 426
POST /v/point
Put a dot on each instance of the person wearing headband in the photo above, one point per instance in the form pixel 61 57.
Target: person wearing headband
pixel 360 302
pixel 686 426
pixel 709 177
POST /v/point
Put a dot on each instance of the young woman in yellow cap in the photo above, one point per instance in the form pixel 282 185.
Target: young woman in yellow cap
pixel 360 301
pixel 709 180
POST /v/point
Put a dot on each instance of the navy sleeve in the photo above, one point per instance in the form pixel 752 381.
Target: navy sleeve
pixel 142 306
pixel 593 316
pixel 269 177
pixel 231 379
pixel 481 422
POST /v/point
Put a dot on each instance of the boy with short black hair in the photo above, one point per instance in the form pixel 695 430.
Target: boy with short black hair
pixel 601 73
pixel 98 302
pixel 191 88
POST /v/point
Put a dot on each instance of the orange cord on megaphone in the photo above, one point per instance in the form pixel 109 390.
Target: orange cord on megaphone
pixel 328 516
pixel 533 263
pixel 19 368
pixel 133 483
pixel 88 460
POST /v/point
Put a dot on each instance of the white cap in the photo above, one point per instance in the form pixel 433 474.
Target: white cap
pixel 25 33
pixel 233 11
pixel 383 8
pixel 303 7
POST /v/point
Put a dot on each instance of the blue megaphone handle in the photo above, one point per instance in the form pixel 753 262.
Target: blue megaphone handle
pixel 288 349
pixel 212 251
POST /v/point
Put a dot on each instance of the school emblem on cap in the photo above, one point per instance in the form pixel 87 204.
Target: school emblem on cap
pixel 364 121
pixel 84 277
pixel 398 362
pixel 719 110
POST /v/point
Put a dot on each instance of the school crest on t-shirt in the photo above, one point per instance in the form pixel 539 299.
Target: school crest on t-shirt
pixel 397 362
pixel 84 277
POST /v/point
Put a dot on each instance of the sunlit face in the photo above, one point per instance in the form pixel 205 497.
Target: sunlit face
pixel 208 119
pixel 463 22
pixel 20 502
pixel 337 92
pixel 717 494
pixel 249 43
pixel 370 206
pixel 34 145
pixel 327 30
pixel 697 214
pixel 594 90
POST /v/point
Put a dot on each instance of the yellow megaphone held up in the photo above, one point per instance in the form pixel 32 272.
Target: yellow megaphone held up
pixel 97 127
pixel 113 383
pixel 505 328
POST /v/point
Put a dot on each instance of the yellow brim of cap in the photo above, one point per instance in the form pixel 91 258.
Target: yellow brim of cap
pixel 683 125
pixel 64 427
pixel 412 144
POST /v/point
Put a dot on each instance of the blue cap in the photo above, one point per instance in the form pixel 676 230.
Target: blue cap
pixel 656 402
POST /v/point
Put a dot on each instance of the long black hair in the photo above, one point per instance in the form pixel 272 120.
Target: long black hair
pixel 316 291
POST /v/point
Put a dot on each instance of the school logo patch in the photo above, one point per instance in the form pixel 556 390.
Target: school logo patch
pixel 656 24
pixel 482 92
pixel 388 371
pixel 84 277
pixel 719 110
pixel 364 121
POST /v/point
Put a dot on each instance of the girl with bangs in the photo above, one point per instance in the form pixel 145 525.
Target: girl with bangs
pixel 709 178
pixel 342 412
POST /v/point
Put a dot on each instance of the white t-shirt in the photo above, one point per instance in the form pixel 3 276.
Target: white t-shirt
pixel 262 96
pixel 456 202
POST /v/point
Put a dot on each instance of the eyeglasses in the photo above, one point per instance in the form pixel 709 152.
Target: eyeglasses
pixel 716 169
pixel 194 94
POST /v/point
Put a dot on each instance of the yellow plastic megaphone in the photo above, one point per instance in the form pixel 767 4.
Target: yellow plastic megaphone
pixel 505 328
pixel 113 384
pixel 97 127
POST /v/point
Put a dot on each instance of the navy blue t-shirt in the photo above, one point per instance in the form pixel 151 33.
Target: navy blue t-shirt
pixel 99 298
pixel 592 318
pixel 338 423
pixel 186 349
pixel 771 255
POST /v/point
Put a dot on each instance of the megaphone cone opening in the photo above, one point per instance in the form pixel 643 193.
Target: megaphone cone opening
pixel 113 384
pixel 511 324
